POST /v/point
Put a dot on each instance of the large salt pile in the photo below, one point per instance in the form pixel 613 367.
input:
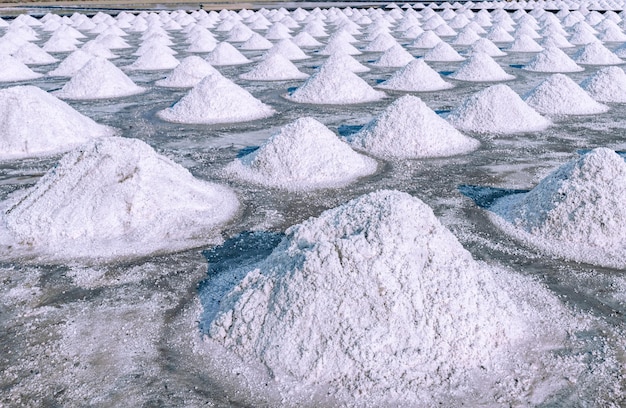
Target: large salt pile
pixel 303 155
pixel 497 109
pixel 375 297
pixel 552 59
pixel 577 212
pixel 560 95
pixel 274 67
pixel 416 76
pixel 216 99
pixel 99 79
pixel 607 85
pixel 395 56
pixel 481 68
pixel 35 123
pixel 117 197
pixel 225 54
pixel 333 84
pixel 188 74
pixel 596 54
pixel 408 129
pixel 12 70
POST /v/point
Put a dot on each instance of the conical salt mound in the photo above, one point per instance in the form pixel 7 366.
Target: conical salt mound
pixel 395 56
pixel 339 45
pixel 57 128
pixel 427 39
pixel 225 54
pixel 486 47
pixel 559 95
pixel 607 85
pixel 99 79
pixel 381 43
pixel 497 109
pixel 345 294
pixel 306 40
pixel 216 99
pixel 524 43
pixel 274 67
pixel 71 64
pixel 596 54
pixel 256 42
pixel 346 61
pixel 303 155
pixel 289 50
pixel 31 54
pixel 577 212
pixel 12 70
pixel 416 76
pixel 117 197
pixel 552 59
pixel 333 84
pixel 409 129
pixel 154 59
pixel 481 68
pixel 443 52
pixel 188 74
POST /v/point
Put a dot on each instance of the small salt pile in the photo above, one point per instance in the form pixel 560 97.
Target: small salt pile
pixel 99 79
pixel 216 99
pixel 416 76
pixel 274 67
pixel 31 54
pixel 374 297
pixel 225 54
pixel 497 109
pixel 256 42
pixel 498 34
pixel 112 41
pixel 559 95
pixel 201 43
pixel 481 68
pixel 607 85
pixel 486 47
pixel 57 126
pixel 154 59
pixel 427 39
pixel 333 84
pixel 409 129
pixel 13 70
pixel 466 37
pixel 381 43
pixel 239 33
pixel 306 40
pixel 303 155
pixel 524 43
pixel 289 50
pixel 60 43
pixel 552 59
pixel 555 40
pixel 346 61
pixel 188 74
pixel 278 31
pixel 596 54
pixel 577 212
pixel 395 56
pixel 339 44
pixel 94 48
pixel 117 197
pixel 71 64
pixel 443 52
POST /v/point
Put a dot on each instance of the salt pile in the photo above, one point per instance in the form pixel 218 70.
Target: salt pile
pixel 524 43
pixel 99 79
pixel 339 45
pixel 12 70
pixel 409 129
pixel 552 59
pixel 216 99
pixel 497 109
pixel 346 61
pixel 607 85
pixel 35 123
pixel 117 197
pixel 596 54
pixel 256 42
pixel 395 56
pixel 381 43
pixel 274 67
pixel 427 39
pixel 416 76
pixel 188 74
pixel 225 54
pixel 481 68
pixel 289 50
pixel 94 48
pixel 376 297
pixel 559 95
pixel 306 40
pixel 576 212
pixel 31 54
pixel 486 47
pixel 71 64
pixel 443 52
pixel 333 84
pixel 154 59
pixel 303 155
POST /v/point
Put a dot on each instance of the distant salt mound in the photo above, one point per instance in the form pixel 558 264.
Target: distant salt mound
pixel 576 212
pixel 481 68
pixel 607 85
pixel 339 45
pixel 486 47
pixel 56 129
pixel 13 70
pixel 256 42
pixel 416 76
pixel 427 39
pixel 155 59
pixel 346 61
pixel 559 95
pixel 99 79
pixel 289 50
pixel 71 64
pixel 497 109
pixel 303 155
pixel 381 43
pixel 443 52
pixel 596 54
pixel 552 59
pixel 524 43
pixel 188 74
pixel 60 43
pixel 216 99
pixel 395 56
pixel 344 294
pixel 98 50
pixel 306 40
pixel 116 197
pixel 31 54
pixel 408 129
pixel 225 54
pixel 274 67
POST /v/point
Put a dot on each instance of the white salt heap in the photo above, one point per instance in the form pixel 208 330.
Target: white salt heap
pixel 31 54
pixel 303 155
pixel 416 76
pixel 188 74
pixel 375 298
pixel 154 59
pixel 481 68
pixel 99 79
pixel 225 54
pixel 487 47
pixel 274 67
pixel 395 56
pixel 427 39
pixel 256 42
pixel 409 129
pixel 443 52
pixel 607 85
pixel 577 212
pixel 216 99
pixel 35 123
pixel 596 54
pixel 117 197
pixel 524 43
pixel 13 70
pixel 552 59
pixel 71 64
pixel 560 95
pixel 289 50
pixel 497 109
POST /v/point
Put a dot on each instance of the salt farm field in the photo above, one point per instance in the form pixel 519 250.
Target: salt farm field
pixel 516 326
